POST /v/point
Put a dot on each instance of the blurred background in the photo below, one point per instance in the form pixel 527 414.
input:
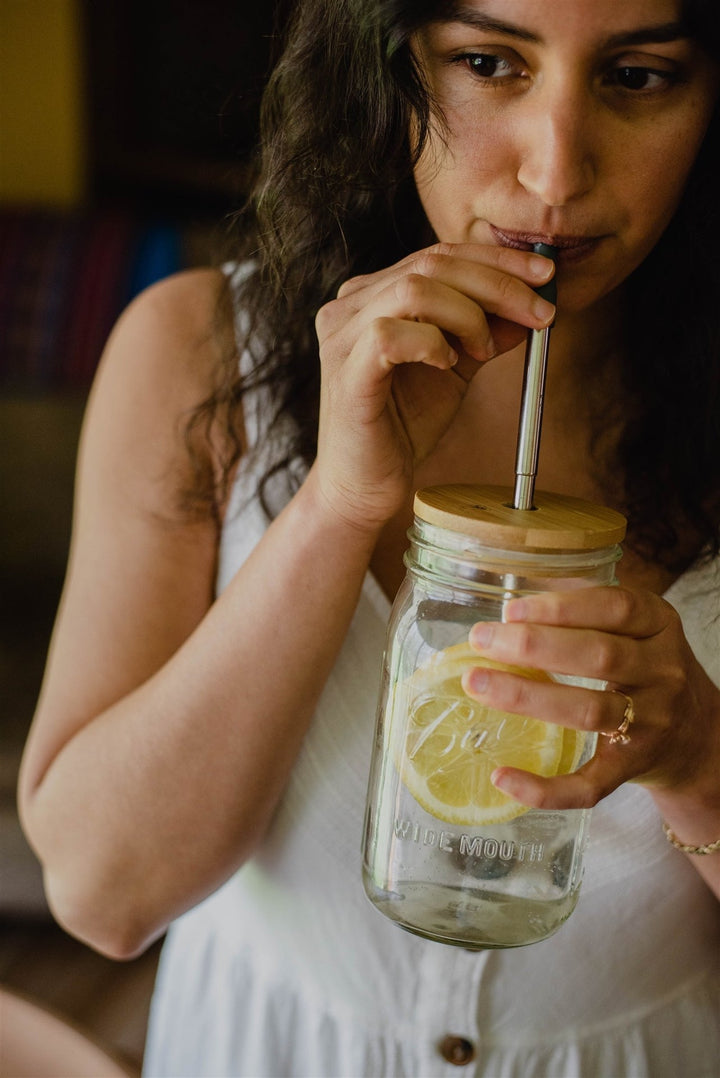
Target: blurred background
pixel 126 135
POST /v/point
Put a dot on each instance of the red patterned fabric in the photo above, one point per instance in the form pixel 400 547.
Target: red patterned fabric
pixel 64 279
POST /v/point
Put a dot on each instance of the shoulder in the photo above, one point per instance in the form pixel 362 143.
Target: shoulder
pixel 179 323
pixel 161 361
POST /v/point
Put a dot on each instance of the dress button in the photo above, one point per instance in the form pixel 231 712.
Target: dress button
pixel 457 1050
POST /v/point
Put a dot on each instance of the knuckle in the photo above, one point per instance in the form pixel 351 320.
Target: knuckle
pixel 382 328
pixel 381 334
pixel 323 321
pixel 625 604
pixel 604 660
pixel 507 286
pixel 429 263
pixel 332 316
pixel 528 642
pixel 518 695
pixel 592 714
pixel 351 285
pixel 676 676
pixel 439 253
pixel 411 291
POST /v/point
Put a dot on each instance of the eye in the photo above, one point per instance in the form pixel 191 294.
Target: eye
pixel 486 65
pixel 641 79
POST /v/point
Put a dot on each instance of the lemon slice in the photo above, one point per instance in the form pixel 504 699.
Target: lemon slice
pixel 449 744
pixel 572 750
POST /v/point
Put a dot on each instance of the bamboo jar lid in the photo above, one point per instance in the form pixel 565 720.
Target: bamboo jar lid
pixel 557 522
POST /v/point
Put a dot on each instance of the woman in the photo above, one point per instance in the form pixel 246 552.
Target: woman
pixel 180 735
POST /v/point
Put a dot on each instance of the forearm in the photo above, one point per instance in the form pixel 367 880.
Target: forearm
pixel 153 803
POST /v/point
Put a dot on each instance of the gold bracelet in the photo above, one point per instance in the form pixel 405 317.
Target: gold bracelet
pixel 709 847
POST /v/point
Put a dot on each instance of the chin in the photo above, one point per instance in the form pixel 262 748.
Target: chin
pixel 578 293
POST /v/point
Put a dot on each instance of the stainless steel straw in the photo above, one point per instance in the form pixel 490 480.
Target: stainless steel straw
pixel 533 393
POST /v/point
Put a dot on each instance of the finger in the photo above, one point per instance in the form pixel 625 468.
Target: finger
pixel 417 298
pixel 436 288
pixel 588 653
pixel 386 343
pixel 612 609
pixel 497 291
pixel 446 260
pixel 582 789
pixel 411 299
pixel 589 710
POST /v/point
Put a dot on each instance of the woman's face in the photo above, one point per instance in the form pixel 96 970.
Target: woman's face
pixel 574 122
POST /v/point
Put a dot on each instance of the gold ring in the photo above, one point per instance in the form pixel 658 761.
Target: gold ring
pixel 621 735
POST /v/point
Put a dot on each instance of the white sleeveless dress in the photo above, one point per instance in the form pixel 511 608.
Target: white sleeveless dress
pixel 288 970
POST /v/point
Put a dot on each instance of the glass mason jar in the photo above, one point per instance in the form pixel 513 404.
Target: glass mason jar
pixel 445 854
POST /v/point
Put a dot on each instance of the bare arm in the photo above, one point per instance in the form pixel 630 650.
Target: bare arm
pixel 144 782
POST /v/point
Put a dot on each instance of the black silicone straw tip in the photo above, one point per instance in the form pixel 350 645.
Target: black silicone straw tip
pixel 547 291
pixel 546 250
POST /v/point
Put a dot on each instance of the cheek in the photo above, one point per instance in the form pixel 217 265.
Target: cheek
pixel 439 189
pixel 452 174
pixel 656 186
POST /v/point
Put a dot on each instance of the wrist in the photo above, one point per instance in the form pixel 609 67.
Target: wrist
pixel 698 851
pixel 691 822
pixel 345 512
pixel 322 517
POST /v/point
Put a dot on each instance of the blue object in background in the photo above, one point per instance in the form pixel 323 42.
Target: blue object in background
pixel 158 255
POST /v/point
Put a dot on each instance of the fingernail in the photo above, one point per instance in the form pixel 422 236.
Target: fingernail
pixel 543 310
pixel 486 351
pixel 477 680
pixel 499 780
pixel 540 268
pixel 481 635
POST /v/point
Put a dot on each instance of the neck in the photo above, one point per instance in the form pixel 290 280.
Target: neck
pixel 582 341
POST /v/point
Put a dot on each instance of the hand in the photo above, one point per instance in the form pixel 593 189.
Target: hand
pixel 634 641
pixel 398 349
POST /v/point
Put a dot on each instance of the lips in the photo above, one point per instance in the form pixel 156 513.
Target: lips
pixel 569 247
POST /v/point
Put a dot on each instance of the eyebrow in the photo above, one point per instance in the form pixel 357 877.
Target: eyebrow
pixel 478 20
pixel 646 35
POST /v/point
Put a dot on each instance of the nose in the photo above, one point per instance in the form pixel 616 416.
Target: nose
pixel 557 163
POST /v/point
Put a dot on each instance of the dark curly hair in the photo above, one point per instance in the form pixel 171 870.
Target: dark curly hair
pixel 335 197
